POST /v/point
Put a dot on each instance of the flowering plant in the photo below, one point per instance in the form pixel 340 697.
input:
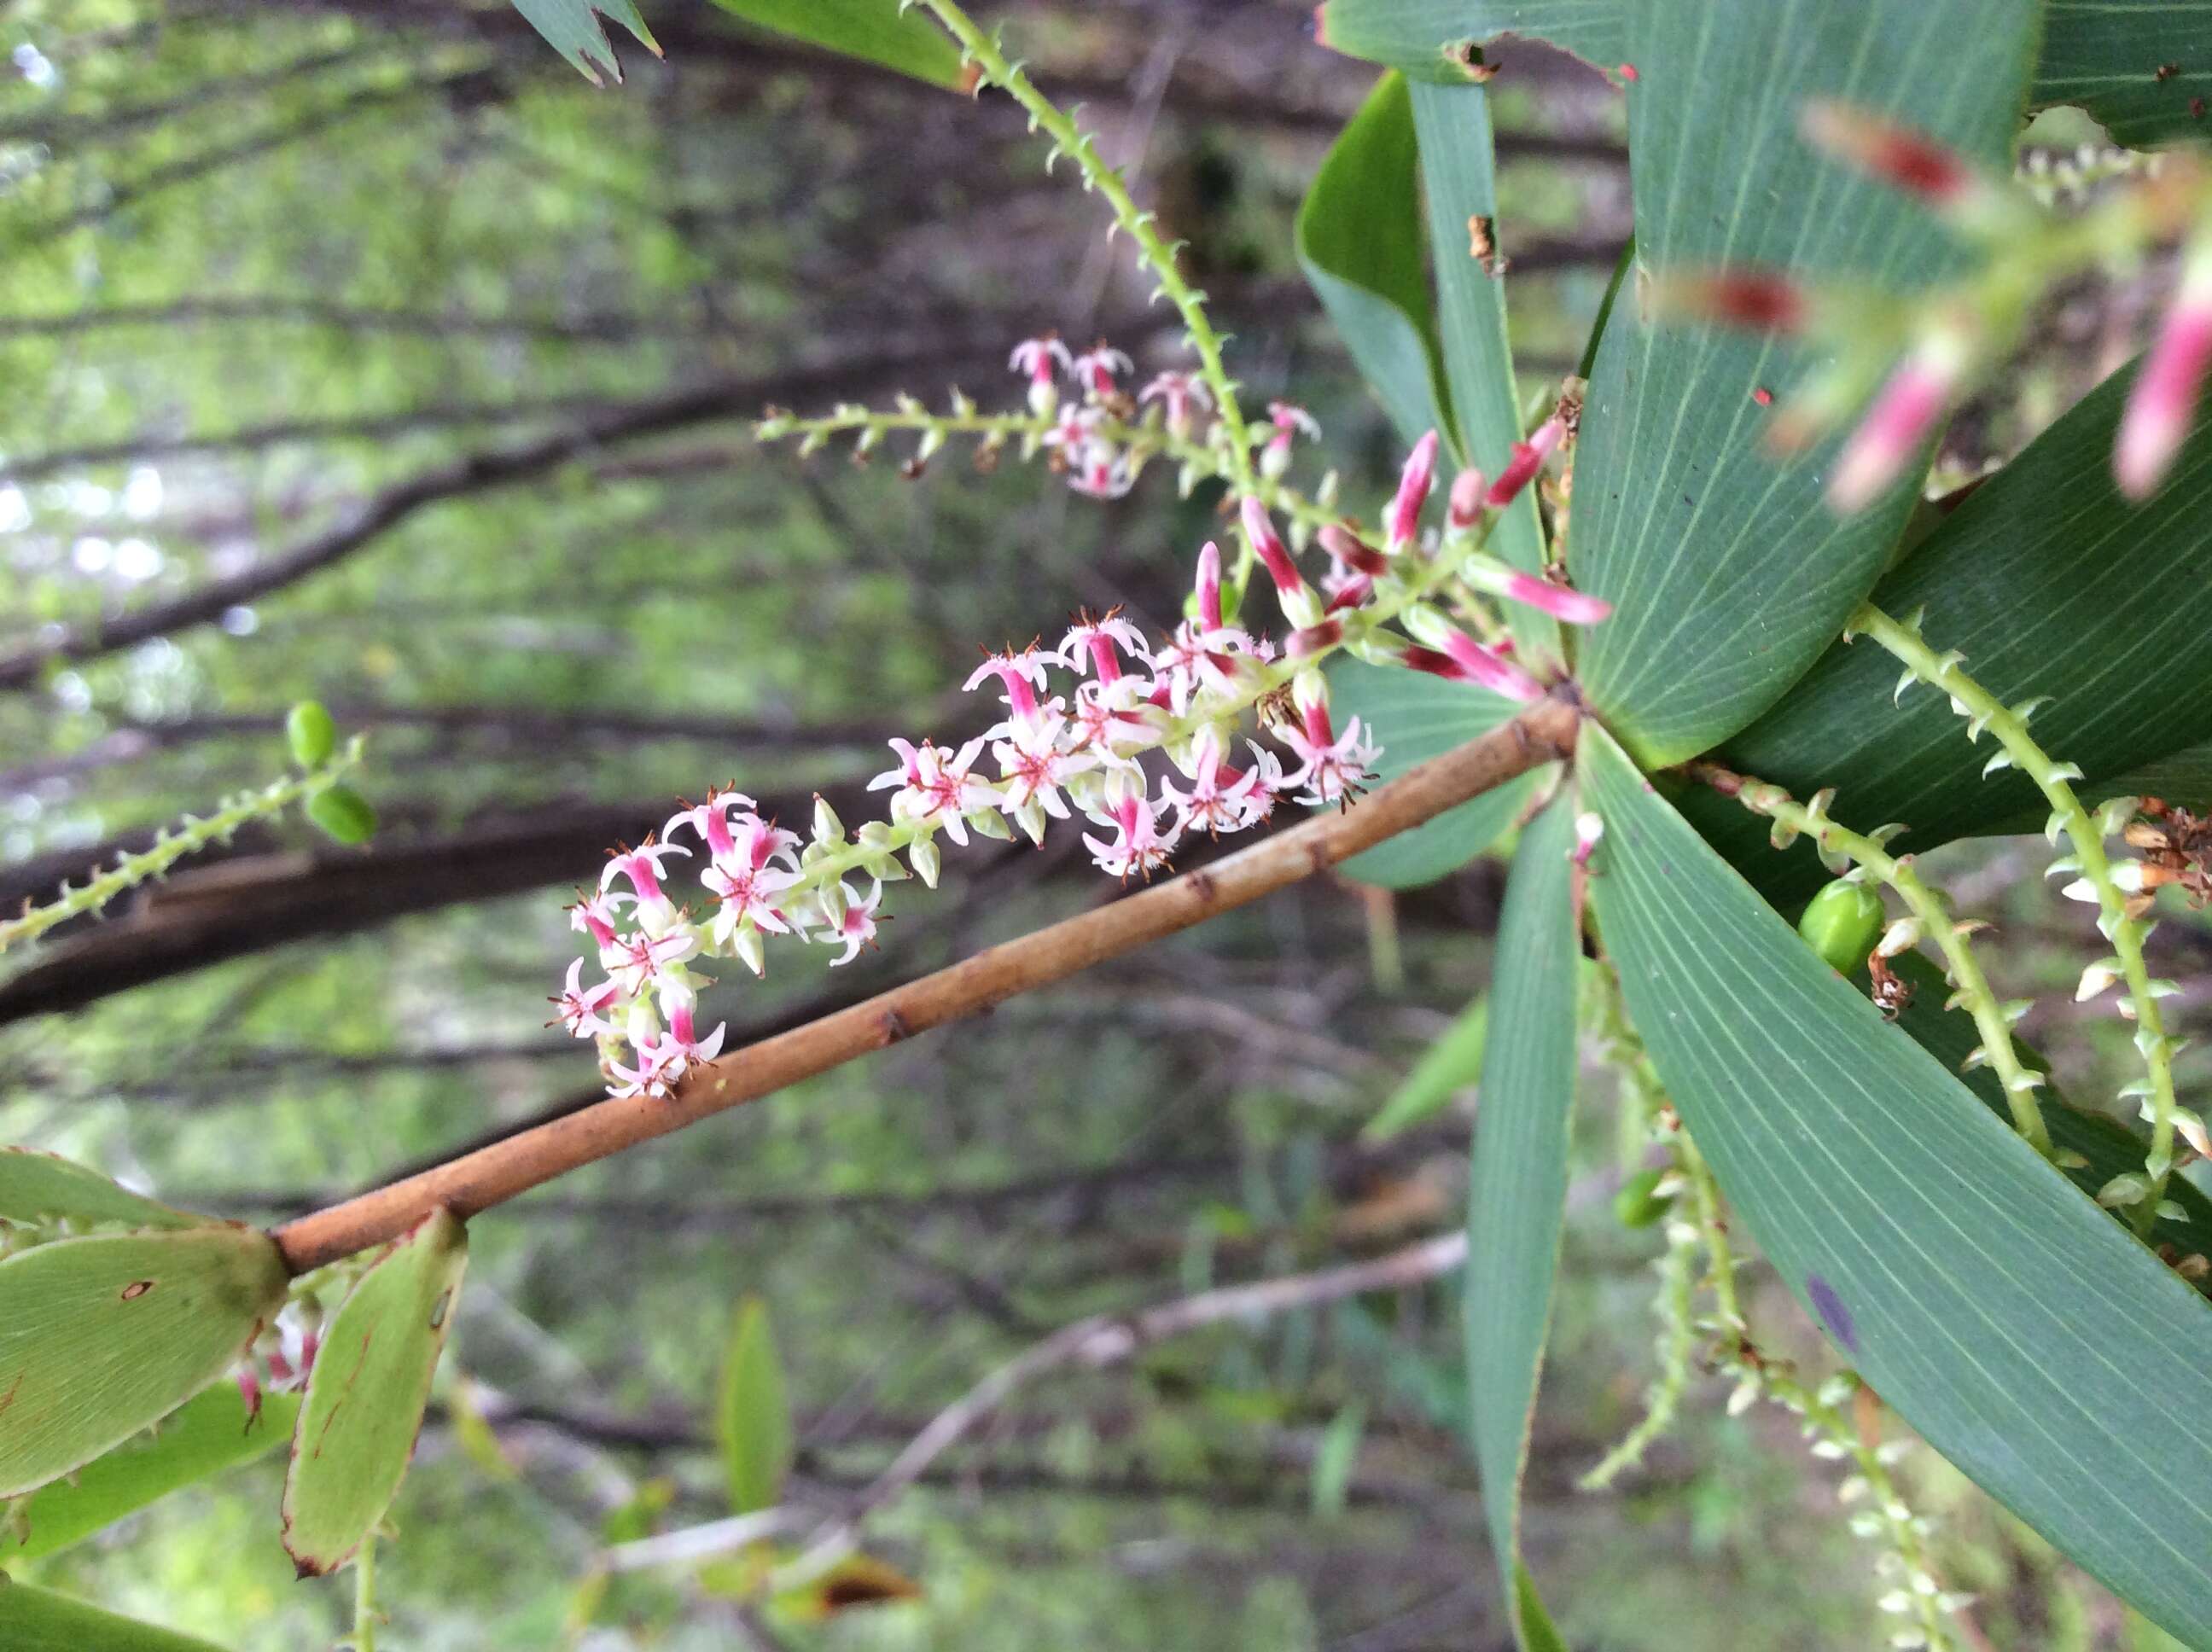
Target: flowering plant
pixel 1657 619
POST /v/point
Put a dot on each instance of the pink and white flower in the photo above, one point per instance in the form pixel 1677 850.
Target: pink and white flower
pixel 1094 369
pixel 1020 674
pixel 1181 395
pixel 1220 798
pixel 1331 766
pixel 642 868
pixel 1899 420
pixel 1038 358
pixel 641 960
pixel 1035 765
pixel 856 927
pixel 1139 847
pixel 1290 421
pixel 934 786
pixel 579 1006
pixel 1096 646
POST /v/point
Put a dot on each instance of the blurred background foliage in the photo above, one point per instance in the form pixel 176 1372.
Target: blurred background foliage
pixel 365 351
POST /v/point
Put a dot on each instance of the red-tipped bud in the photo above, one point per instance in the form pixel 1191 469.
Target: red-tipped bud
pixel 1347 549
pixel 1209 587
pixel 1420 475
pixel 1314 639
pixel 1461 658
pixel 1899 420
pixel 2166 387
pixel 1740 298
pixel 1575 607
pixel 1889 152
pixel 1528 459
pixel 1465 508
pixel 1270 549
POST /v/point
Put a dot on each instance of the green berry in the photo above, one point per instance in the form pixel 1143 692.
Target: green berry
pixel 1639 1204
pixel 1842 923
pixel 312 734
pixel 343 813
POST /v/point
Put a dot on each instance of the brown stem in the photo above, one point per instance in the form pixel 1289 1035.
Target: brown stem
pixel 475 1182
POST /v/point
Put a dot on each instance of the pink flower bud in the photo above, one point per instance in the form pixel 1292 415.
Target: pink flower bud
pixel 1903 414
pixel 1528 459
pixel 1209 587
pixel 1889 152
pixel 1463 659
pixel 2165 393
pixel 1465 506
pixel 1574 607
pixel 1270 549
pixel 1315 639
pixel 1420 475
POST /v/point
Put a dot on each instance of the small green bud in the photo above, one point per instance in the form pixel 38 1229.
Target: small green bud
pixel 1639 1203
pixel 1841 923
pixel 312 734
pixel 343 813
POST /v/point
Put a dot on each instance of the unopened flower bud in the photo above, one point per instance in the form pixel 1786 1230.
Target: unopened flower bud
pixel 828 829
pixel 1464 508
pixel 922 854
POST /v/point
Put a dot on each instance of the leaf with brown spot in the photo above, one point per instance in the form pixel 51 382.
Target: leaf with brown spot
pixel 102 1336
pixel 366 1394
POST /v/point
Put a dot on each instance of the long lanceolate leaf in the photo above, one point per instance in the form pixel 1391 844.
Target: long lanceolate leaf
pixel 366 1394
pixel 572 28
pixel 1728 571
pixel 1519 1179
pixel 2020 1329
pixel 1460 182
pixel 875 31
pixel 2050 583
pixel 1359 243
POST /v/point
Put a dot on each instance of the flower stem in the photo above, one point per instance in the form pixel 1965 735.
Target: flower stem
pixel 983 50
pixel 364 1596
pixel 1962 967
pixel 1982 709
pixel 1543 734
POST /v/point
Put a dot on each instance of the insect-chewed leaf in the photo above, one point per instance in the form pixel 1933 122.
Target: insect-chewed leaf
pixel 207 1435
pixel 37 1186
pixel 365 1397
pixel 101 1337
pixel 1431 40
pixel 753 1419
pixel 2143 71
pixel 39 1620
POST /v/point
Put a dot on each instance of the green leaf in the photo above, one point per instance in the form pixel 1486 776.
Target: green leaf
pixel 2051 584
pixel 2107 1145
pixel 876 31
pixel 1460 182
pixel 39 1620
pixel 366 1395
pixel 1449 1065
pixel 2107 58
pixel 1335 1458
pixel 2024 1334
pixel 572 28
pixel 1358 238
pixel 206 1436
pixel 1417 717
pixel 1538 1633
pixel 1728 571
pixel 1428 38
pixel 39 1188
pixel 103 1336
pixel 752 1419
pixel 1519 1181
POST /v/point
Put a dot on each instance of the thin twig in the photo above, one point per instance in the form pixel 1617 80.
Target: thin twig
pixel 1544 733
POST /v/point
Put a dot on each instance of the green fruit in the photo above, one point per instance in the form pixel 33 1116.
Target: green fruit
pixel 1638 1204
pixel 343 813
pixel 1842 924
pixel 312 734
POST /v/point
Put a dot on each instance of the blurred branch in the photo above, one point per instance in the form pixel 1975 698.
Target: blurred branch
pixel 594 328
pixel 368 520
pixel 1544 733
pixel 1101 1340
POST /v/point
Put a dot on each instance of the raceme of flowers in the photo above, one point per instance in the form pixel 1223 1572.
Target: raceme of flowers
pixel 1143 740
